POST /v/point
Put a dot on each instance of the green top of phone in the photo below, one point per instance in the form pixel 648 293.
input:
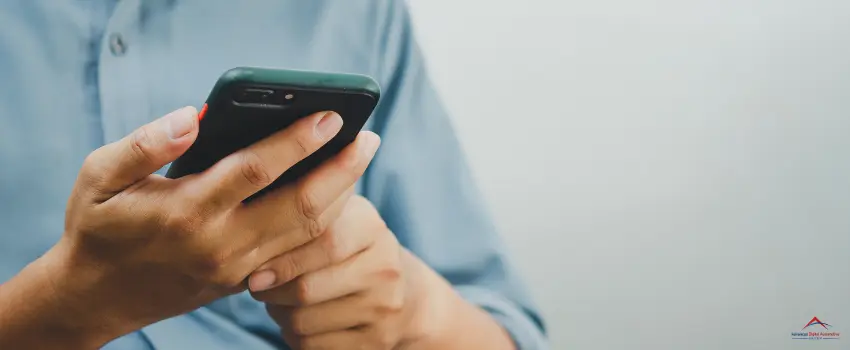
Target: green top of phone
pixel 298 79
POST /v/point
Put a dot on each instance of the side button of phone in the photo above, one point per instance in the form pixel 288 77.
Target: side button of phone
pixel 202 112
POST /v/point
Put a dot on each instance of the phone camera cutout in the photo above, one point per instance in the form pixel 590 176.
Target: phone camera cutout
pixel 262 97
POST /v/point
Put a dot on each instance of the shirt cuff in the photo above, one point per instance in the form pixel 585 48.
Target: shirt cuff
pixel 526 333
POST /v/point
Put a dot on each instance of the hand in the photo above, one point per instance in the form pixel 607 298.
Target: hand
pixel 356 287
pixel 353 287
pixel 139 248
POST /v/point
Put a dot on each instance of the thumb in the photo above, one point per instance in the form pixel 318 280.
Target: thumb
pixel 116 166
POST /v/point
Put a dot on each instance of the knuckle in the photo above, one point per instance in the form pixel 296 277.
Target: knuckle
pixel 253 169
pixel 308 205
pixel 390 306
pixel 390 273
pixel 310 214
pixel 303 291
pixel 140 145
pixel 92 162
pixel 335 246
pixel 350 162
pixel 314 228
pixel 288 267
pixel 396 302
pixel 92 170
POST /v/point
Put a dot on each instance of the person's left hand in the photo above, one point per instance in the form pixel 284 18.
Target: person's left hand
pixel 353 287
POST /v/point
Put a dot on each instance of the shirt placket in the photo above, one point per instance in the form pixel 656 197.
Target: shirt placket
pixel 123 94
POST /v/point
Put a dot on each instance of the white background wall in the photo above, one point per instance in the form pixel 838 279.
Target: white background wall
pixel 669 174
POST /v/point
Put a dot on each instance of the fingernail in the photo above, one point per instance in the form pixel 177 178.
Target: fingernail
pixel 329 125
pixel 368 143
pixel 180 123
pixel 261 280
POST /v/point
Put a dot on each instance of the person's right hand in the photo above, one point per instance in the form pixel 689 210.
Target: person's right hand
pixel 139 248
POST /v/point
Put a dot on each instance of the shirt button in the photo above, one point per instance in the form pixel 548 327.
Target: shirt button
pixel 117 45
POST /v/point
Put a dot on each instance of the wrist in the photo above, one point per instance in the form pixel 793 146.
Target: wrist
pixel 443 319
pixel 45 307
pixel 433 305
pixel 441 326
pixel 82 295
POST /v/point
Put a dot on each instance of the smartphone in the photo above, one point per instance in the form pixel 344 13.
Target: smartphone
pixel 248 104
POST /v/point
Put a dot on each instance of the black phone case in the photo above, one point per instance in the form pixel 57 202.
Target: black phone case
pixel 228 126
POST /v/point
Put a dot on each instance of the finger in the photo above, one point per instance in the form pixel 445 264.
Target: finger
pixel 334 315
pixel 249 170
pixel 282 315
pixel 345 339
pixel 250 252
pixel 322 186
pixel 284 242
pixel 349 277
pixel 342 339
pixel 353 231
pixel 279 236
pixel 116 166
pixel 307 206
pixel 311 196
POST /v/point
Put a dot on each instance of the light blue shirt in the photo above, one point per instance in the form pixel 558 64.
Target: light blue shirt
pixel 76 74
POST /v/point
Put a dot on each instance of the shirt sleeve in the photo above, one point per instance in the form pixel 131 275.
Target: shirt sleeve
pixel 421 184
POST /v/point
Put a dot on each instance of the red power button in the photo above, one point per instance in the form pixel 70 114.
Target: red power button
pixel 202 112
